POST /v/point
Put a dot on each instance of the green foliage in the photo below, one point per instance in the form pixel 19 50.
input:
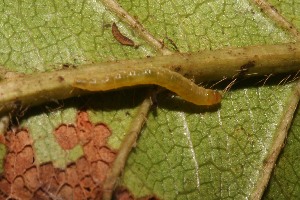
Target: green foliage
pixel 184 151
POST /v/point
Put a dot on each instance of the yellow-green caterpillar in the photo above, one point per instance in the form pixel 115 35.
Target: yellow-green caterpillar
pixel 131 76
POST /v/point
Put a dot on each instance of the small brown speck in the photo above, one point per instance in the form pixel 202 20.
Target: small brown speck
pixel 65 65
pixel 173 44
pixel 248 65
pixel 127 113
pixel 244 68
pixel 60 79
pixel 68 65
pixel 177 68
pixel 106 26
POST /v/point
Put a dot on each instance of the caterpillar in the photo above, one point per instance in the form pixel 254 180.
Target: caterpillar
pixel 120 37
pixel 131 76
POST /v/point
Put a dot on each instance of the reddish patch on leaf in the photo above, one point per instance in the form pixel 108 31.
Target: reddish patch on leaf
pixel 31 178
pixel 94 139
pixel 66 136
pixel 99 170
pixel 23 179
pixel 82 170
pixel 85 127
pixel 71 176
pixel 19 189
pixel 19 156
pixel 18 141
pixel 4 188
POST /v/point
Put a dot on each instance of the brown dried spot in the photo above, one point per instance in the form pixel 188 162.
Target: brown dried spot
pixel 4 187
pixel 91 151
pixel 18 141
pixel 31 179
pixel 87 183
pixel 81 168
pixel 101 134
pixel 66 136
pixel 106 154
pixel 46 174
pixel 18 189
pixel 71 175
pixel 68 65
pixel 9 166
pixel 22 179
pixel 244 68
pixel 291 47
pixel 16 164
pixel 60 78
pixel 248 65
pixel 84 127
pixel 93 148
pixel 120 37
pixel 24 160
pixel 66 191
pixel 177 68
pixel 99 170
pixel 41 195
pixel 78 193
pixel 106 25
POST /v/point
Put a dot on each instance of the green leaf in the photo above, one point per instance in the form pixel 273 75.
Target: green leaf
pixel 184 151
pixel 285 182
pixel 208 154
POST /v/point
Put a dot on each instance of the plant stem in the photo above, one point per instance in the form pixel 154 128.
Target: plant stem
pixel 231 62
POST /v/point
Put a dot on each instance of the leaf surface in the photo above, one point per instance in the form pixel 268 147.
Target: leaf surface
pixel 184 151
